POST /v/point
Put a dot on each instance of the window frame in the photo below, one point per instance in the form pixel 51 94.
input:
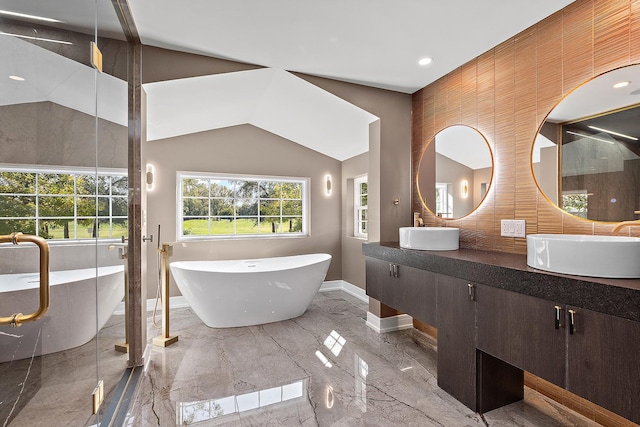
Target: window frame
pixel 73 171
pixel 305 200
pixel 575 194
pixel 358 208
pixel 444 200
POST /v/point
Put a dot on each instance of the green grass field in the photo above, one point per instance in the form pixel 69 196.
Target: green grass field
pixel 199 227
pixel 119 230
pixel 191 227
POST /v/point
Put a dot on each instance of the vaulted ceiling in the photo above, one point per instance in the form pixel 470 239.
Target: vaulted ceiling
pixel 375 43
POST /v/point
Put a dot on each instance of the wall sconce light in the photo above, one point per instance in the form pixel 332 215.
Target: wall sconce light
pixel 328 187
pixel 330 397
pixel 465 188
pixel 149 177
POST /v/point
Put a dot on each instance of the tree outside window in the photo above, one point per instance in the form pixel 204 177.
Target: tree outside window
pixel 214 205
pixel 361 218
pixel 63 203
pixel 576 203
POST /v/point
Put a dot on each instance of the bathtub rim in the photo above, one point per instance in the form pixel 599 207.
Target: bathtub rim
pixel 317 257
pixel 79 274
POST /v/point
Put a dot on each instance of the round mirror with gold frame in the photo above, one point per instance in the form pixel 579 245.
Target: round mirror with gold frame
pixel 586 156
pixel 455 171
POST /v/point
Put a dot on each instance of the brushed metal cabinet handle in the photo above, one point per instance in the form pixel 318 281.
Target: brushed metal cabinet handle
pixel 572 321
pixel 557 317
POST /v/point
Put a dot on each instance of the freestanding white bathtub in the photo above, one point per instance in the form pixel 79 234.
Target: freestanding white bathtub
pixel 236 293
pixel 71 318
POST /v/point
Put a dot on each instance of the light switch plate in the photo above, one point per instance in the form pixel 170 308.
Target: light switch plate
pixel 512 228
pixel 504 227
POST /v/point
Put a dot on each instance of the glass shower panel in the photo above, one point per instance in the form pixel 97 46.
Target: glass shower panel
pixel 58 139
pixel 111 188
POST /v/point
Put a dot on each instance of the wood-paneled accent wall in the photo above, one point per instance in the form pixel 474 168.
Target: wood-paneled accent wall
pixel 506 94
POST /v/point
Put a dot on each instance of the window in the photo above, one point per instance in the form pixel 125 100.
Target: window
pixel 63 203
pixel 576 202
pixel 444 200
pixel 360 207
pixel 222 205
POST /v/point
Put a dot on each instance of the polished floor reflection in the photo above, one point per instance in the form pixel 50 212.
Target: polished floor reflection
pixel 325 368
pixel 55 389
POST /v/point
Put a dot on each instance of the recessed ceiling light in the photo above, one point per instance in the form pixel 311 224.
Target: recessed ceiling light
pixel 25 15
pixel 17 78
pixel 425 61
pixel 621 84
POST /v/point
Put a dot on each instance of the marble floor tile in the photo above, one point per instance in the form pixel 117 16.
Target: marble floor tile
pixel 55 389
pixel 324 368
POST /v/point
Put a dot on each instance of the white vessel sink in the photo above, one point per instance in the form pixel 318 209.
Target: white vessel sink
pixel 430 238
pixel 585 255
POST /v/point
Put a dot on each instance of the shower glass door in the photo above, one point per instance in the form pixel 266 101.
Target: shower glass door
pixel 63 178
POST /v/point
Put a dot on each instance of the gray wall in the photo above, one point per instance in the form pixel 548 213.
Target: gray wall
pixel 162 64
pixel 546 173
pixel 389 153
pixel 24 258
pixel 388 167
pixel 353 268
pixel 48 134
pixel 480 176
pixel 243 149
pixel 451 172
pixel 44 133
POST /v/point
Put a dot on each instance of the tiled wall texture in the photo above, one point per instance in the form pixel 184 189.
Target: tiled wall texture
pixel 506 94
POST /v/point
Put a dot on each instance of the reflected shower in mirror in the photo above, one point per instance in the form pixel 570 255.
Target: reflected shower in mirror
pixel 586 157
pixel 455 172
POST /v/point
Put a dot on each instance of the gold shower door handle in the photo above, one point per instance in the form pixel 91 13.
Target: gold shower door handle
pixel 17 319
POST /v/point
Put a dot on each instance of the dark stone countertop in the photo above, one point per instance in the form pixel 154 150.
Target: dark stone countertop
pixel 617 297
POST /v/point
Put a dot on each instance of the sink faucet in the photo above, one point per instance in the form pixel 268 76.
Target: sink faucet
pixel 618 227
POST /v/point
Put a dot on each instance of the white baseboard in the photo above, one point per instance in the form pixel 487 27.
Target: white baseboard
pixel 331 285
pixel 353 290
pixel 380 325
pixel 389 324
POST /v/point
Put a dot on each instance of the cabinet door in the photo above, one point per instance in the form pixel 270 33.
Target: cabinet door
pixel 520 330
pixel 415 293
pixel 378 279
pixel 411 290
pixel 456 340
pixel 603 363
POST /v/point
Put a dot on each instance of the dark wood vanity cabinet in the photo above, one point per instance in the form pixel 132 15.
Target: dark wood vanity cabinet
pixel 487 337
pixel 521 330
pixel 456 340
pixel 590 354
pixel 603 361
pixel 407 289
pixel 479 380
